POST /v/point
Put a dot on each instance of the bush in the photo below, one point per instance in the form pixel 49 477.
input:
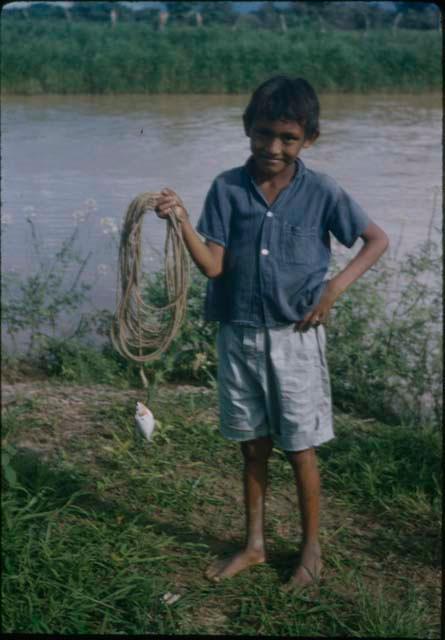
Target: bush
pixel 76 362
pixel 35 305
pixel 384 335
pixel 191 356
pixel 385 341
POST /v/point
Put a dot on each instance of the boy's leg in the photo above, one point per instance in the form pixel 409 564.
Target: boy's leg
pixel 256 454
pixel 307 477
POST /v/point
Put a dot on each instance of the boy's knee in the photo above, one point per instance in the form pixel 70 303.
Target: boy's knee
pixel 257 450
pixel 301 459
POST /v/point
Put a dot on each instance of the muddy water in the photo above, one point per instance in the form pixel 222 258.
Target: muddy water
pixel 79 160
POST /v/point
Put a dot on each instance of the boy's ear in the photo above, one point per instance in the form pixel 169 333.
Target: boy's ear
pixel 310 141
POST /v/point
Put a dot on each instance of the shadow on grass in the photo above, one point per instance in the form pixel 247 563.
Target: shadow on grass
pixel 35 475
pixel 411 546
pixel 411 543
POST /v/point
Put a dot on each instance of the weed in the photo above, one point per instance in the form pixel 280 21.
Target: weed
pixel 134 58
pixel 92 547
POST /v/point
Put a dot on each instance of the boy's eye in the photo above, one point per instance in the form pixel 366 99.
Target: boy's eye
pixel 265 134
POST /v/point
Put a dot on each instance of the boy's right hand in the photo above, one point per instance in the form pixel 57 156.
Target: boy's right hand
pixel 169 200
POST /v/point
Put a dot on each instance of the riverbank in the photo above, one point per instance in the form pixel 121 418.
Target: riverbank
pixel 99 527
pixel 384 334
pixel 47 56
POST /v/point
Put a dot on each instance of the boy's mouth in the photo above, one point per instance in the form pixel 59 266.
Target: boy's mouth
pixel 270 160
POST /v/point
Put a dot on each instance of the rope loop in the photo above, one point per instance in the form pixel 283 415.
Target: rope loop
pixel 140 331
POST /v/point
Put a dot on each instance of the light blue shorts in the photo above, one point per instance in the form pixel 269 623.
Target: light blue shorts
pixel 274 382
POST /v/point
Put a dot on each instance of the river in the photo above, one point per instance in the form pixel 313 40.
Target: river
pixel 80 160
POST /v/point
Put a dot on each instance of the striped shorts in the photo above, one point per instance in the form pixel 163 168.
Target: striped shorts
pixel 274 382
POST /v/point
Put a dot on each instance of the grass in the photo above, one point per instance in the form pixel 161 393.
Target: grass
pixel 98 526
pixel 37 57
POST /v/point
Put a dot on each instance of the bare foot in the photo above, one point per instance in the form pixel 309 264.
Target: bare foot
pixel 229 567
pixel 308 569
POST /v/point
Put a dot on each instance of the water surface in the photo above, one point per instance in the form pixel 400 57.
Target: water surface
pixel 80 160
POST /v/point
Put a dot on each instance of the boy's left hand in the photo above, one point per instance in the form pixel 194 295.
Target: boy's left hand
pixel 320 313
pixel 375 244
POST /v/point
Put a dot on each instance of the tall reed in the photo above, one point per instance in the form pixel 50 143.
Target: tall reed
pixel 53 57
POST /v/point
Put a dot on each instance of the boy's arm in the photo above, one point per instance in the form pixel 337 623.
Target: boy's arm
pixel 375 244
pixel 208 257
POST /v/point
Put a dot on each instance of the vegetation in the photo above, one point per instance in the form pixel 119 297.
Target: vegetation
pixel 384 335
pixel 98 528
pixel 270 15
pixel 51 56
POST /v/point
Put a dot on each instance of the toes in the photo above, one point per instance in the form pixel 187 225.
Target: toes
pixel 218 570
pixel 226 568
pixel 303 577
pixel 214 569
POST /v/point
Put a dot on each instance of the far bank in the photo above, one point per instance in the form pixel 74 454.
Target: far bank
pixel 46 56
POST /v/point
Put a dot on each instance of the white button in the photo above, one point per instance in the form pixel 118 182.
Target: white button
pixel 269 214
pixel 265 252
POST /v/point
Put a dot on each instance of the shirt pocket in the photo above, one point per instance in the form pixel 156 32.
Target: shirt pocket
pixel 298 244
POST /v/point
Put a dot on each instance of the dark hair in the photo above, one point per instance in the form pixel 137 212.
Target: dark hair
pixel 285 98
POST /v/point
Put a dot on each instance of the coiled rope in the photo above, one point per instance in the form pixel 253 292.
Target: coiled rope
pixel 140 331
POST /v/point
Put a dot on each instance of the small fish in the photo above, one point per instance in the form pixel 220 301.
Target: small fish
pixel 144 420
pixel 170 598
pixel 142 131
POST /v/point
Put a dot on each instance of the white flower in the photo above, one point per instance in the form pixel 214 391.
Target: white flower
pixel 91 204
pixel 6 218
pixel 102 269
pixel 109 225
pixel 79 215
pixel 30 211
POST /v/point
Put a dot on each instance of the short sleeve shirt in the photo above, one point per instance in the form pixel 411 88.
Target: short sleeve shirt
pixel 276 255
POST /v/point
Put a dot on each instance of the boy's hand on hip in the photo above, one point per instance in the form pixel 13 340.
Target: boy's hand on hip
pixel 169 200
pixel 320 313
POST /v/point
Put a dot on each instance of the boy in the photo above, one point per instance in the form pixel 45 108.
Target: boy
pixel 266 254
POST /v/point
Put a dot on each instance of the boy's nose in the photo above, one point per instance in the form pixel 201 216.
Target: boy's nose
pixel 274 147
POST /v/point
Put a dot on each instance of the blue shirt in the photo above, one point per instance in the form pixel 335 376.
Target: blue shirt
pixel 277 255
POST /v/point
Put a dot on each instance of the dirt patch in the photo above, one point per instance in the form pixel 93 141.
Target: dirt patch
pixel 212 620
pixel 58 412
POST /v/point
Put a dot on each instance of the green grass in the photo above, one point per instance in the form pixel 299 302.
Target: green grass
pixel 100 526
pixel 38 56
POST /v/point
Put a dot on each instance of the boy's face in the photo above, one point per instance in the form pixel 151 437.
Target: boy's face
pixel 275 144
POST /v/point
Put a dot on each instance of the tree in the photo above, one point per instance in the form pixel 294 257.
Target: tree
pixel 97 11
pixel 268 15
pixel 247 21
pixel 181 12
pixel 44 10
pixel 350 15
pixel 217 12
pixel 309 14
pixel 148 15
pixel 416 15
